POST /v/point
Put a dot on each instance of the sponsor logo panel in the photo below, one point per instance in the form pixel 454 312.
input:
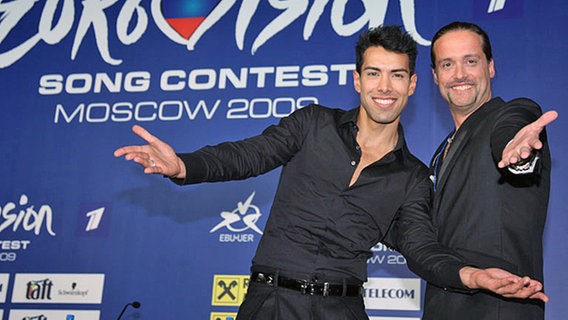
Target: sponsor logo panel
pixel 4 279
pixel 229 290
pixel 223 316
pixel 18 314
pixel 392 294
pixel 392 318
pixel 58 288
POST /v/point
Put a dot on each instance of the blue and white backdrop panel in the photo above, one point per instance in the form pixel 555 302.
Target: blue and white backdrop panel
pixel 86 233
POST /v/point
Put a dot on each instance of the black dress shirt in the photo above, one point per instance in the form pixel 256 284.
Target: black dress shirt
pixel 320 226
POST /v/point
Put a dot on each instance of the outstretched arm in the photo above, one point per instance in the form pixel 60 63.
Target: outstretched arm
pixel 155 157
pixel 503 283
pixel 414 236
pixel 526 141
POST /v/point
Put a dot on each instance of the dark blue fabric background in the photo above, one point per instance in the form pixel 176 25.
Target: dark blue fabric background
pixel 153 242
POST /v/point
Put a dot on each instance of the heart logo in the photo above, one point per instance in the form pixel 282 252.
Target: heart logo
pixel 184 16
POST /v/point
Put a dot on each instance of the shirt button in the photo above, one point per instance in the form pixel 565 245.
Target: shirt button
pixel 353 162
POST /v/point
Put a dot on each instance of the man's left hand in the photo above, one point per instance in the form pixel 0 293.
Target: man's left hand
pixel 503 283
pixel 526 140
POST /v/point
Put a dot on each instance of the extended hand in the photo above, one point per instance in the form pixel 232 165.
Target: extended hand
pixel 503 283
pixel 155 157
pixel 526 140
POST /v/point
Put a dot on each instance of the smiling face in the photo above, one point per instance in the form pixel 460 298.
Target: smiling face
pixel 384 85
pixel 462 71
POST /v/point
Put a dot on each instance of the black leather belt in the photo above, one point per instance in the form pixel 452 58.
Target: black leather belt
pixel 308 287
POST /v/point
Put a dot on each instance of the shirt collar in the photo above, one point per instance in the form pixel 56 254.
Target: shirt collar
pixel 349 119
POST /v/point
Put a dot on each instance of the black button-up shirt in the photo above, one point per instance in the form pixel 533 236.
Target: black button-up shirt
pixel 319 225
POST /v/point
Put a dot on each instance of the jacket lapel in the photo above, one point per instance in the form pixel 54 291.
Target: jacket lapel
pixel 463 135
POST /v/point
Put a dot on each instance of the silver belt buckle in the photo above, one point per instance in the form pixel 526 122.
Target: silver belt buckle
pixel 306 288
pixel 325 289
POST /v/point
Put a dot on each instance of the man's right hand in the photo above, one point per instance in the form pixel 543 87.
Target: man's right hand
pixel 155 157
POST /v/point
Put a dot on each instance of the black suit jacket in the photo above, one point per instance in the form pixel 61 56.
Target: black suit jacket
pixel 490 216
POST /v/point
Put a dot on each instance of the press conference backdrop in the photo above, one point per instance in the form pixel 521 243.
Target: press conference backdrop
pixel 83 233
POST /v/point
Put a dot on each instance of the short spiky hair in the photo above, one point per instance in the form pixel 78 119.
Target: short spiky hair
pixel 392 38
pixel 459 25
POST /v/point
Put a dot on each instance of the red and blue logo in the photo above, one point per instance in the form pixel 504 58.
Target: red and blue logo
pixel 184 16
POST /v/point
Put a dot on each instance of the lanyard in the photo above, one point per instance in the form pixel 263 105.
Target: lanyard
pixel 434 176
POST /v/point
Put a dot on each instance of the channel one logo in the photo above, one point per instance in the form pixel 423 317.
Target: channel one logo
pixel 392 294
pixel 58 288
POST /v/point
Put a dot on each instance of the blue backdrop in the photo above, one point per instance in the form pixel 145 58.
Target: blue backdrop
pixel 83 233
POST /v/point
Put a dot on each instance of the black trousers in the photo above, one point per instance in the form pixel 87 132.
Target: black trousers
pixel 265 302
